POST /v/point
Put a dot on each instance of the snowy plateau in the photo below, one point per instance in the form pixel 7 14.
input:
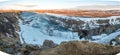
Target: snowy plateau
pixel 37 27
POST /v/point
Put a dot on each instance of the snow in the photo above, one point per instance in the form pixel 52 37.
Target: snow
pixel 99 36
pixel 118 54
pixel 114 43
pixel 2 53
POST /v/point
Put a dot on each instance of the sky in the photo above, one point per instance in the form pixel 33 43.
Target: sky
pixel 52 4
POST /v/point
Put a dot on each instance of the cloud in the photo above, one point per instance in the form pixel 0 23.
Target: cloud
pixel 25 5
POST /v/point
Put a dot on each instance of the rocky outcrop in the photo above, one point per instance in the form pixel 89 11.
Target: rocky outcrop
pixel 9 25
pixel 25 49
pixel 9 37
pixel 47 44
pixel 82 48
pixel 18 48
pixel 65 48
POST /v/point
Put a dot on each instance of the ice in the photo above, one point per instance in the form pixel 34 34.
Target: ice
pixel 106 39
pixel 39 29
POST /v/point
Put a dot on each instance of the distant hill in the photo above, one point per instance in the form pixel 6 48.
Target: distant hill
pixel 97 7
pixel 75 12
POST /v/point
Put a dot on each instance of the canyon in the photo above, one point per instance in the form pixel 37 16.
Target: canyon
pixel 46 32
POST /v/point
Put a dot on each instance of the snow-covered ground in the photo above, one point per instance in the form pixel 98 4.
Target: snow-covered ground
pixel 118 54
pixel 2 53
pixel 35 28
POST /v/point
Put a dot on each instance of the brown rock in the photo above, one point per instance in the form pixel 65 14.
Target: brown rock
pixel 82 48
pixel 47 44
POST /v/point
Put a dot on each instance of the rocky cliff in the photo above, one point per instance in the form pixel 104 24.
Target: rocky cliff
pixel 9 27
